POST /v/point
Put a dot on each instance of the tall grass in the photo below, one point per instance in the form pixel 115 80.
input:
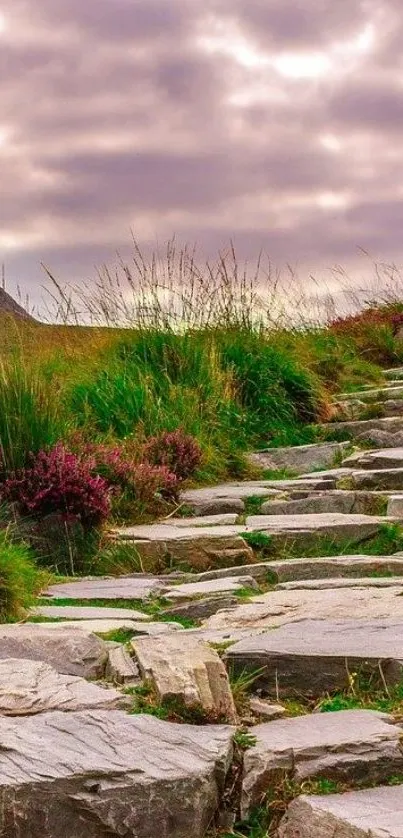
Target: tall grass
pixel 30 413
pixel 19 579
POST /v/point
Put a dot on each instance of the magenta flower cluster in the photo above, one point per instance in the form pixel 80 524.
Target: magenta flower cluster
pixel 176 450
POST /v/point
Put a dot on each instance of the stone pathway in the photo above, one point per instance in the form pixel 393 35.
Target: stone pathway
pixel 228 625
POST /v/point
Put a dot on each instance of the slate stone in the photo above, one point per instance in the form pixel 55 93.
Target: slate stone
pixel 121 668
pixel 28 687
pixel 200 609
pixel 186 669
pixel 378 479
pixel 266 709
pixel 346 746
pixel 395 506
pixel 298 458
pixel 105 773
pixel 335 525
pixel 337 500
pixel 313 657
pixel 76 612
pixel 386 458
pixel 369 813
pixel 210 587
pixel 71 650
pixel 333 584
pixel 203 521
pixel 355 427
pixel 124 588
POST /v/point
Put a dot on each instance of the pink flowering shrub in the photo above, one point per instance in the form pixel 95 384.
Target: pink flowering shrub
pixel 59 482
pixel 176 450
pixel 140 481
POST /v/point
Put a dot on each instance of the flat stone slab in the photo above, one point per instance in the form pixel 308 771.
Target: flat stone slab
pixel 75 612
pixel 370 813
pixel 313 568
pixel 359 426
pixel 386 458
pixel 357 582
pixel 277 608
pixel 299 458
pixel 332 524
pixel 107 773
pixel 124 588
pixel 106 626
pixel 200 609
pixel 185 669
pixel 121 668
pixel 391 478
pixel 210 587
pixel 394 391
pixel 71 650
pixel 335 500
pixel 28 687
pixel 313 657
pixel 228 518
pixel 349 746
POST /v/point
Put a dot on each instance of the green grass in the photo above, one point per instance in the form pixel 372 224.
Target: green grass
pixel 20 580
pixel 152 607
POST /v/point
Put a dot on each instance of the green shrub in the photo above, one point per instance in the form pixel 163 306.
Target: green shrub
pixel 19 578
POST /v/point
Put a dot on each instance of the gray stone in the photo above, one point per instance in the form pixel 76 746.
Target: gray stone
pixel 70 650
pixel 312 657
pixel 370 813
pixel 335 525
pixel 299 458
pixel 395 506
pixel 203 521
pixel 393 373
pixel 387 458
pixel 213 586
pixel 73 612
pixel 348 746
pixel 200 609
pixel 186 669
pixel 374 394
pixel 378 479
pixel 106 626
pixel 266 709
pixel 381 439
pixel 359 582
pixel 337 500
pixel 121 668
pixel 104 773
pixel 28 687
pixel 392 424
pixel 124 588
pixel 314 568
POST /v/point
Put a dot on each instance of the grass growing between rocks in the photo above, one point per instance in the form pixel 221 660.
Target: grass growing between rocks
pixel 146 700
pixel 20 580
pixel 153 608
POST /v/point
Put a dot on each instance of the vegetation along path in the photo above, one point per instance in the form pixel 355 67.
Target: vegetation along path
pixel 235 665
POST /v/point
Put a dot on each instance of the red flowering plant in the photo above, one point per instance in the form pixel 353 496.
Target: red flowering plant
pixel 176 450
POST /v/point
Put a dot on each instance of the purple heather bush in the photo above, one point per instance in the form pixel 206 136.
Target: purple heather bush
pixel 177 451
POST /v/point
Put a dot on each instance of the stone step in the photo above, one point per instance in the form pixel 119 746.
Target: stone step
pixel 334 525
pixel 227 497
pixel 184 669
pixel 384 478
pixel 69 649
pixel 76 612
pixel 333 583
pixel 277 608
pixel 359 426
pixel 29 687
pixel 394 372
pixel 369 813
pixel 349 746
pixel 313 657
pixel 108 773
pixel 122 588
pixel 299 458
pixel 385 458
pixel 374 394
pixel 335 500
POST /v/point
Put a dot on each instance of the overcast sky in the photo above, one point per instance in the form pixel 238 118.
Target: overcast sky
pixel 275 122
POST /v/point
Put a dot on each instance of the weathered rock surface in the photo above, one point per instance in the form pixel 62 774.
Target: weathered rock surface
pixel 124 588
pixel 371 394
pixel 76 612
pixel 266 709
pixel 121 668
pixel 328 582
pixel 210 587
pixel 299 458
pixel 315 568
pixel 225 519
pixel 335 525
pixel 312 657
pixel 277 608
pixel 200 609
pixel 337 500
pixel 393 373
pixel 395 506
pixel 381 439
pixel 185 669
pixel 348 746
pixel 28 687
pixel 227 497
pixel 71 650
pixel 104 773
pixel 370 813
pixel 354 428
pixel 386 458
pixel 378 479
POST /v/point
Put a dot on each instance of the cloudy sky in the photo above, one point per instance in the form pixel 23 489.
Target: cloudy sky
pixel 275 122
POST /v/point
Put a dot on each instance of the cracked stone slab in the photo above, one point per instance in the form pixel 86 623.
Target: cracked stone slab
pixel 386 458
pixel 186 669
pixel 395 391
pixel 28 687
pixel 107 773
pixel 75 612
pixel 150 628
pixel 347 746
pixel 337 583
pixel 211 587
pixel 277 608
pixel 202 521
pixel 124 588
pixel 358 426
pixel 370 813
pixel 121 668
pixel 299 458
pixel 332 524
pixel 337 500
pixel 312 657
pixel 200 609
pixel 391 478
pixel 71 650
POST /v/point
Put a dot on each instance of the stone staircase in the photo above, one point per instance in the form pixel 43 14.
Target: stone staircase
pixel 138 706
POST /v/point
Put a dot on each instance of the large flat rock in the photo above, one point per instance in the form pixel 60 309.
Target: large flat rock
pixel 28 687
pixel 393 392
pixel 355 582
pixel 210 587
pixel 336 500
pixel 71 650
pixel 391 478
pixel 313 657
pixel 186 670
pixel 227 497
pixel 347 746
pixel 356 427
pixel 277 608
pixel 371 813
pixel 386 458
pixel 104 773
pixel 299 458
pixel 123 588
pixel 149 628
pixel 312 568
pixel 335 525
pixel 75 612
